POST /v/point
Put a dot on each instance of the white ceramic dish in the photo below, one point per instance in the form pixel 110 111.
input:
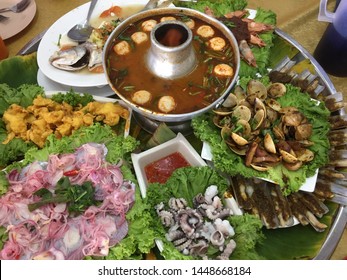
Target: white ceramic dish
pixel 17 21
pixel 178 144
pixel 104 100
pixel 50 85
pixel 48 45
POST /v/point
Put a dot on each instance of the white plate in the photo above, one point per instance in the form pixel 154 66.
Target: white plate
pixel 49 94
pixel 50 85
pixel 48 45
pixel 17 21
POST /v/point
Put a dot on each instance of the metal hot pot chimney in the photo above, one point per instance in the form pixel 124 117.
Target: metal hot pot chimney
pixel 171 54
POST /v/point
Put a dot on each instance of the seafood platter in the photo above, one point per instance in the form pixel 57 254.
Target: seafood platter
pixel 187 130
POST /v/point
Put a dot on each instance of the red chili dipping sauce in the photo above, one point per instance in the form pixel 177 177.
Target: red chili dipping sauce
pixel 159 171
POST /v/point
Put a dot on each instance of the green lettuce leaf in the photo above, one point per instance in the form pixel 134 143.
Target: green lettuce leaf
pixel 23 95
pixel 3 236
pixel 248 236
pixel 219 7
pixel 141 235
pixel 118 146
pixel 3 183
pixel 261 54
pixel 12 151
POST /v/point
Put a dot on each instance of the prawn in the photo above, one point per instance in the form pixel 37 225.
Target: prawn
pixel 247 53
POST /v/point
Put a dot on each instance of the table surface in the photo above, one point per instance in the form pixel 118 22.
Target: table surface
pixel 297 18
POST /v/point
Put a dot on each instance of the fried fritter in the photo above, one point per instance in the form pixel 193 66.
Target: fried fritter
pixel 45 117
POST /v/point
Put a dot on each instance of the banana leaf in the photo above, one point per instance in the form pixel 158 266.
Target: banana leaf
pixel 18 70
pixel 297 242
pixel 280 49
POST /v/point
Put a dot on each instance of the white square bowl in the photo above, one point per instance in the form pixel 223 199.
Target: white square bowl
pixel 178 144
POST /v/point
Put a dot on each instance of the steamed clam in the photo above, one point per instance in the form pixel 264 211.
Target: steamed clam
pixel 303 131
pixel 288 157
pixel 236 142
pixel 255 125
pixel 242 113
pixel 276 90
pixel 269 144
pixel 227 106
pixel 258 119
pixel 239 140
pixel 221 121
pixel 258 88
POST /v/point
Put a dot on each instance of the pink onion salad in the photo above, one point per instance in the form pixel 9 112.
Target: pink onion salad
pixel 50 231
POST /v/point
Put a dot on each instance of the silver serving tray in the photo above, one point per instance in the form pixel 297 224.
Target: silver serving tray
pixel 340 220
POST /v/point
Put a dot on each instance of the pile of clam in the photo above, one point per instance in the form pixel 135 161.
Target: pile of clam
pixel 193 230
pixel 255 125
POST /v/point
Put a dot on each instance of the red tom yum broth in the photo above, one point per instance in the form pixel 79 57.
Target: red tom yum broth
pixel 159 171
pixel 129 74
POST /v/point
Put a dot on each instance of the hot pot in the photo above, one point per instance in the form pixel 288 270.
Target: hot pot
pixel 170 62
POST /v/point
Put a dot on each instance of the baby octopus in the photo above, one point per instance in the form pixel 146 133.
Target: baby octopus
pixel 193 230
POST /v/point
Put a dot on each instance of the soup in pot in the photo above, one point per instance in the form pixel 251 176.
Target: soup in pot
pixel 130 76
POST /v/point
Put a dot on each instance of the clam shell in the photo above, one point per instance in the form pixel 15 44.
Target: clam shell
pixel 239 140
pixel 258 119
pixel 259 167
pixel 303 131
pixel 269 144
pixel 307 156
pixel 246 128
pixel 288 157
pixel 276 90
pixel 242 112
pixel 258 88
pixel 231 101
pixel 273 104
pixel 238 150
